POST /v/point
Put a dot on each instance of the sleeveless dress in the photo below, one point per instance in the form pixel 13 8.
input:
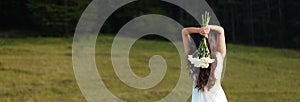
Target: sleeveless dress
pixel 216 93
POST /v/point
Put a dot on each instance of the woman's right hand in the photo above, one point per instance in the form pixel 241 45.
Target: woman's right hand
pixel 204 31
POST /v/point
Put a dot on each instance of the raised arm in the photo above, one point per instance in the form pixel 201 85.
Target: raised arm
pixel 184 33
pixel 221 46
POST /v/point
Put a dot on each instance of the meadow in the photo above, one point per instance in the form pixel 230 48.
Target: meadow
pixel 40 70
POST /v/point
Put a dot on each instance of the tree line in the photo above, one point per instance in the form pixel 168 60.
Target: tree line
pixel 272 23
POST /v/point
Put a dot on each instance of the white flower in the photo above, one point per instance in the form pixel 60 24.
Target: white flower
pixel 202 62
pixel 198 62
pixel 207 60
pixel 191 59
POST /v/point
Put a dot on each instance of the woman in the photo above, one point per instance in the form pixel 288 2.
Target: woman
pixel 207 85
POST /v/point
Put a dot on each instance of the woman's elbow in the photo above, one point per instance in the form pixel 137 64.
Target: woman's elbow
pixel 184 31
pixel 221 30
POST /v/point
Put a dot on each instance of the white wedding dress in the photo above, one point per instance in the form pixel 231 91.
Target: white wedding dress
pixel 216 93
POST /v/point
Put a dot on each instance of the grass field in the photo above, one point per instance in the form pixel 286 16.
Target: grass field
pixel 40 70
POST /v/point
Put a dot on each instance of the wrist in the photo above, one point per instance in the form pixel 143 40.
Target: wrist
pixel 217 28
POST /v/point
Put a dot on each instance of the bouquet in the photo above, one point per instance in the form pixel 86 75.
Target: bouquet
pixel 202 58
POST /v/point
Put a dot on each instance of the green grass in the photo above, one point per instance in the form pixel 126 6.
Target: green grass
pixel 40 70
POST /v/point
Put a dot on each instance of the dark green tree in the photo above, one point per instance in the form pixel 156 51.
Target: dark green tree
pixel 57 16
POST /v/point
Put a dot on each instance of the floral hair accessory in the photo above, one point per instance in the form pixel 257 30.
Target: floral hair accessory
pixel 202 58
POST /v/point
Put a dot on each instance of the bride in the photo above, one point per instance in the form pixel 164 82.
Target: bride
pixel 206 81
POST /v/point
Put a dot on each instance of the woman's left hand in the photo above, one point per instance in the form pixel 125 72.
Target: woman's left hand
pixel 204 31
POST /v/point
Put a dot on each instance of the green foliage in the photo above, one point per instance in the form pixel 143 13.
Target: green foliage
pixel 259 22
pixel 13 13
pixel 203 50
pixel 256 22
pixel 57 16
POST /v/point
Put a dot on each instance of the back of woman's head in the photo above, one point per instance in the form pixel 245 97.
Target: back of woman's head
pixel 205 76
